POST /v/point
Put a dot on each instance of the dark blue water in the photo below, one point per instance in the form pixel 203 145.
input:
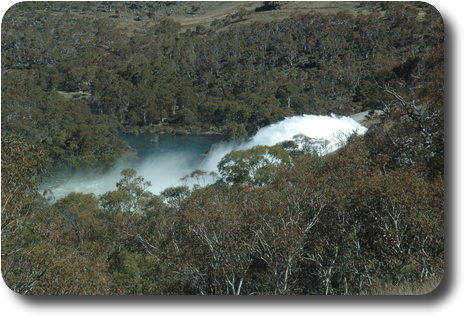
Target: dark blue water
pixel 160 144
pixel 165 160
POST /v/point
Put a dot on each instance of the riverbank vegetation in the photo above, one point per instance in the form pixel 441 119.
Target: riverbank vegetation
pixel 366 217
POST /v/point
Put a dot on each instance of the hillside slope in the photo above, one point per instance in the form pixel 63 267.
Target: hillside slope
pixel 131 15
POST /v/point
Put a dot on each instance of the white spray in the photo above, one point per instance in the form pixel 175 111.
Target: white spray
pixel 167 170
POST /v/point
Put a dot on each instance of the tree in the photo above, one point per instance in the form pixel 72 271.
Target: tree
pixel 286 92
pixel 282 219
pixel 131 194
pixel 268 6
pixel 279 238
pixel 257 166
pixel 235 131
pixel 174 196
pixel 74 238
pixel 80 214
pixel 23 264
pixel 219 249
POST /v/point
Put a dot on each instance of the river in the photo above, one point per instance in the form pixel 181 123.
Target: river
pixel 165 159
pixel 162 159
pixel 152 145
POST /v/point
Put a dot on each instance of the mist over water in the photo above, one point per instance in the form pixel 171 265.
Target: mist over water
pixel 335 129
pixel 164 168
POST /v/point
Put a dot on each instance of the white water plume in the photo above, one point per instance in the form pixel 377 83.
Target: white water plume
pixel 166 170
pixel 333 129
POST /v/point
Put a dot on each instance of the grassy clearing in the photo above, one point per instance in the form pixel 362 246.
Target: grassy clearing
pixel 75 96
pixel 405 288
pixel 192 13
pixel 209 11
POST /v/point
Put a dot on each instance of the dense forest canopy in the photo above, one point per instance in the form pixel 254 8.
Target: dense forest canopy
pixel 369 215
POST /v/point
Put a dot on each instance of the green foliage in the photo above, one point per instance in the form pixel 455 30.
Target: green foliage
pixel 81 214
pixel 257 166
pixel 22 164
pixel 68 133
pixel 365 218
pixel 235 131
pixel 131 194
pixel 309 63
pixel 175 195
pixel 336 224
pixel 286 92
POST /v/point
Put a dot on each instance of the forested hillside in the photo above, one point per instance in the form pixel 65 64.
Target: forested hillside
pixel 368 216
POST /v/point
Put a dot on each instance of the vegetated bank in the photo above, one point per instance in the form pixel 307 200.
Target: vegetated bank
pixel 367 215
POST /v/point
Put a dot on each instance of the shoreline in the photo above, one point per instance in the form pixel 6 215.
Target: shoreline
pixel 366 118
pixel 169 129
